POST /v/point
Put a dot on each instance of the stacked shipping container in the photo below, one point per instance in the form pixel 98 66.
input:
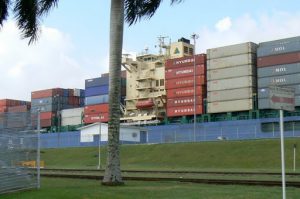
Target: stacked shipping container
pixel 231 78
pixel 179 75
pixel 278 64
pixel 96 98
pixel 72 116
pixel 9 105
pixel 52 101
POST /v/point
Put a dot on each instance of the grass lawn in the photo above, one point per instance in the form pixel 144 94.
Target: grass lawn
pixel 251 155
pixel 59 188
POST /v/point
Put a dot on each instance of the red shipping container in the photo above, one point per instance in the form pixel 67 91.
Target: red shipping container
pixel 47 93
pixel 185 61
pixel 92 118
pixel 184 110
pixel 272 60
pixel 185 72
pixel 185 82
pixel 23 108
pixel 10 102
pixel 46 123
pixel 3 109
pixel 95 109
pixel 184 101
pixel 186 92
pixel 47 115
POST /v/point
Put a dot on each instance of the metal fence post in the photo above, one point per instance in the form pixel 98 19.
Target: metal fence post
pixel 273 129
pixel 237 132
pixel 293 129
pixel 175 136
pixel 255 131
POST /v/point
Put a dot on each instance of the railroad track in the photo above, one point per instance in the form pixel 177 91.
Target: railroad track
pixel 90 174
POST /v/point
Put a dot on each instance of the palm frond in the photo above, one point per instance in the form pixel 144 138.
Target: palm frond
pixel 46 5
pixel 4 6
pixel 137 9
pixel 26 14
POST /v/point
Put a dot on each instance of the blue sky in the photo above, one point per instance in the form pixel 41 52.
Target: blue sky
pixel 74 41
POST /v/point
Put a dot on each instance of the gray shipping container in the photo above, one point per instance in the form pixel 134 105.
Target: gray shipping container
pixel 231 50
pixel 66 121
pixel 284 69
pixel 230 106
pixel 74 112
pixel 49 100
pixel 224 84
pixel 264 92
pixel 236 60
pixel 231 72
pixel 265 102
pixel 278 49
pixel 100 81
pixel 279 80
pixel 233 94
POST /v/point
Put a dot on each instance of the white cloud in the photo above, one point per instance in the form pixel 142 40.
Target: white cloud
pixel 246 28
pixel 224 24
pixel 46 64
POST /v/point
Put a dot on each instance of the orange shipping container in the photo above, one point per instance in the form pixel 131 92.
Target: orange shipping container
pixel 96 109
pixel 184 101
pixel 188 71
pixel 46 93
pixel 92 118
pixel 184 110
pixel 185 61
pixel 185 82
pixel 186 92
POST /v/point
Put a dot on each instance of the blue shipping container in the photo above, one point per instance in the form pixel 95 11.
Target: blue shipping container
pixel 99 99
pixel 99 90
pixel 100 81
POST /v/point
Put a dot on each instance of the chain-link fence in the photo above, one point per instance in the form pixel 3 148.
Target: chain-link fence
pixel 18 151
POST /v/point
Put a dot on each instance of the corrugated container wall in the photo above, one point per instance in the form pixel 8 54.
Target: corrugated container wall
pixel 181 95
pixel 231 78
pixel 278 64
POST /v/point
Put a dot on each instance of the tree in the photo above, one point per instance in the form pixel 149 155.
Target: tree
pixel 28 14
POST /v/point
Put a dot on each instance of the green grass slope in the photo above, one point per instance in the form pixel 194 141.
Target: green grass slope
pixel 224 155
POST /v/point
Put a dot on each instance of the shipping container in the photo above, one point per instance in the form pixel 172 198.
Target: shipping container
pixel 231 72
pixel 47 93
pixel 185 61
pixel 236 60
pixel 74 112
pixel 96 109
pixel 230 106
pixel 99 90
pixel 3 109
pixel 99 99
pixel 46 123
pixel 279 59
pixel 95 82
pixel 186 92
pixel 231 50
pixel 238 82
pixel 264 92
pixel 184 101
pixel 184 72
pixel 184 110
pixel 11 102
pixel 68 121
pixel 47 115
pixel 264 103
pixel 92 118
pixel 185 82
pixel 22 108
pixel 49 101
pixel 232 94
pixel 285 69
pixel 279 80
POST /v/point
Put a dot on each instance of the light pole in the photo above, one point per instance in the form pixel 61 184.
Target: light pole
pixel 99 144
pixel 38 149
pixel 195 37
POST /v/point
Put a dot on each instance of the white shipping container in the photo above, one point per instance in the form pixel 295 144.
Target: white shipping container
pixel 233 94
pixel 76 92
pixel 73 112
pixel 231 50
pixel 224 84
pixel 230 106
pixel 65 121
pixel 236 71
pixel 236 60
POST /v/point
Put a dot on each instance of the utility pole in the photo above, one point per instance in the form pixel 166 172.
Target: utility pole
pixel 195 37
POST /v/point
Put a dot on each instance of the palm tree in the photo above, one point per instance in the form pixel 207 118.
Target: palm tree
pixel 28 14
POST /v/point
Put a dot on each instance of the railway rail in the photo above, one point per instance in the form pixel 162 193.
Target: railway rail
pixel 90 174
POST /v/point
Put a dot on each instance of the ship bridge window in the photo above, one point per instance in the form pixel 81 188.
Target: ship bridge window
pixel 185 49
pixel 157 82
pixel 162 82
pixel 191 51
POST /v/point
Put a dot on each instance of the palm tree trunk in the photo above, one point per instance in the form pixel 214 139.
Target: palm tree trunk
pixel 112 174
